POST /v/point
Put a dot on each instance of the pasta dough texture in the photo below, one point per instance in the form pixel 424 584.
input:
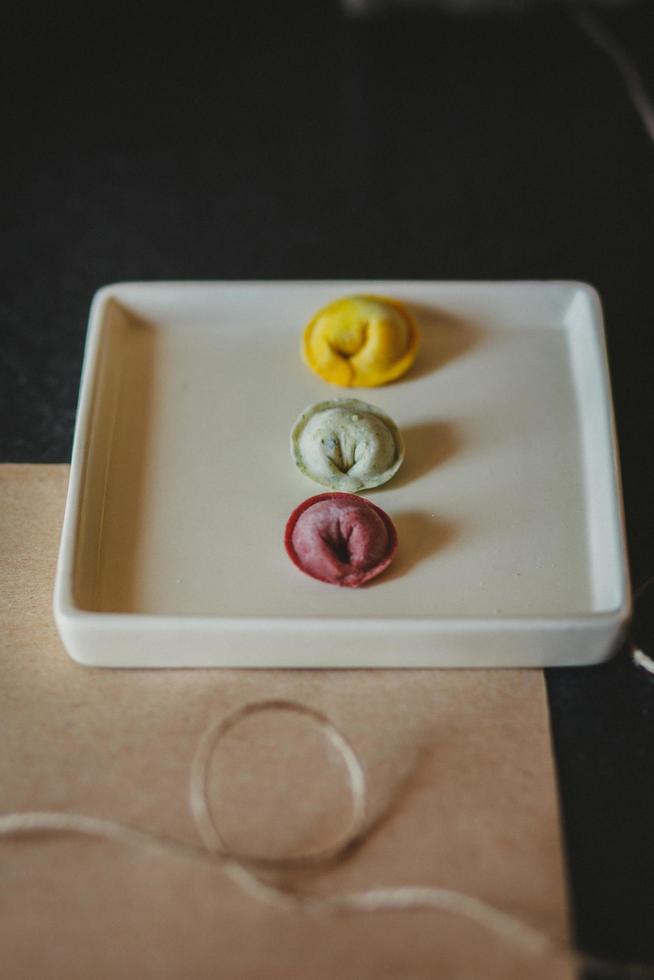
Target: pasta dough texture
pixel 340 539
pixel 361 341
pixel 346 444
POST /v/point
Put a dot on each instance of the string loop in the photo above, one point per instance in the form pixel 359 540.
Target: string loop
pixel 205 821
pixel 505 926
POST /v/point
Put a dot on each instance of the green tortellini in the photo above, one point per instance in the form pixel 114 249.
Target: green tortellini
pixel 347 445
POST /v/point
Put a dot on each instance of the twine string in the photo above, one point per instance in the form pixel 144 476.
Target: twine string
pixel 252 875
pixel 242 872
pixel 638 655
pixel 207 825
pixel 596 32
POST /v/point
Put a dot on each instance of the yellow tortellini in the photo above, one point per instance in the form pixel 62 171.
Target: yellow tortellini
pixel 361 342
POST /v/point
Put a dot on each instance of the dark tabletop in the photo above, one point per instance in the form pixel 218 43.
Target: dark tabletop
pixel 282 140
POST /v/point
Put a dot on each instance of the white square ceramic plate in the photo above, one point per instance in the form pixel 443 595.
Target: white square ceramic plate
pixel 507 507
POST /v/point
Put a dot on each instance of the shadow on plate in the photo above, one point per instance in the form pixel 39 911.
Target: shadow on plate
pixel 427 445
pixel 419 537
pixel 443 338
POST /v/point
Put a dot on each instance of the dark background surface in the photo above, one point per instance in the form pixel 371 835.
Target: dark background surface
pixel 281 140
